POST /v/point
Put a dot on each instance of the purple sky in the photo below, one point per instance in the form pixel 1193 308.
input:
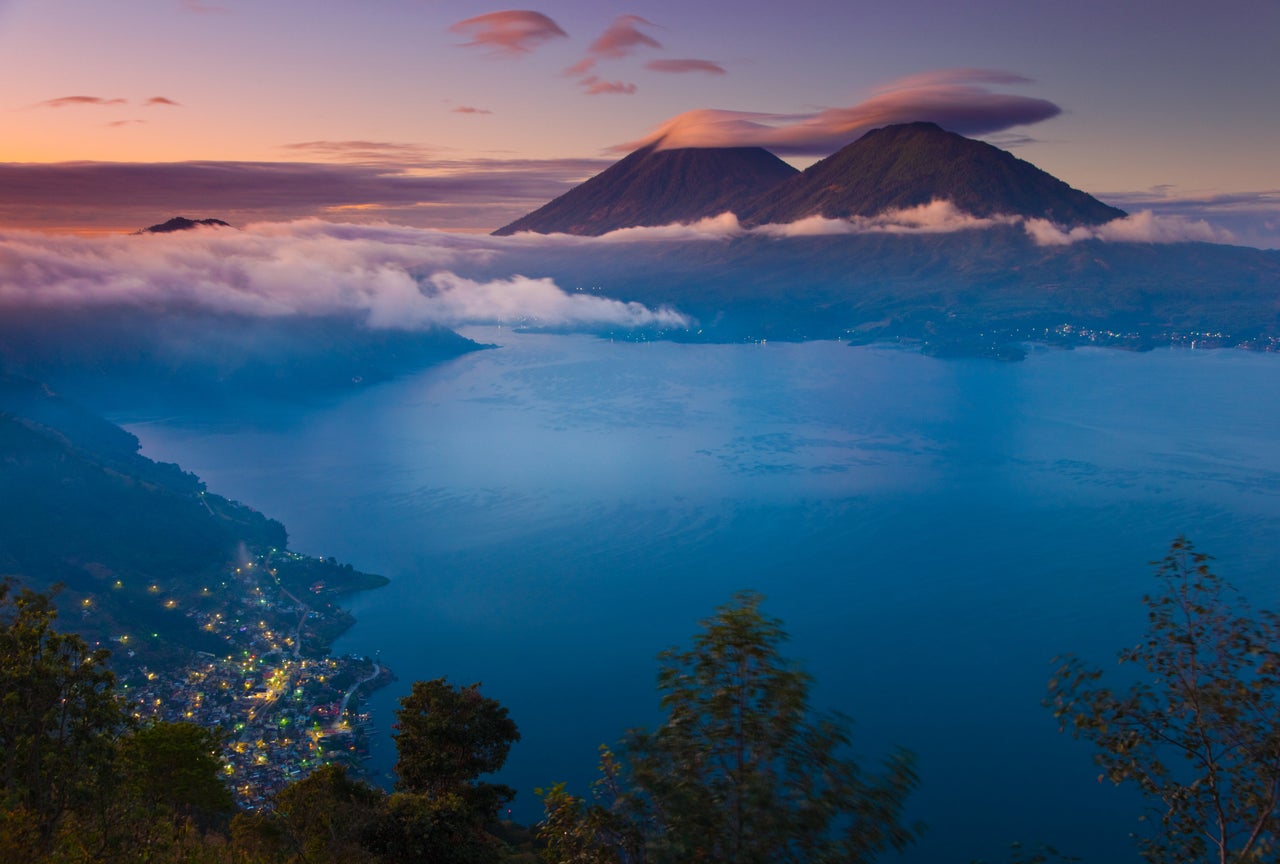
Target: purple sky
pixel 458 115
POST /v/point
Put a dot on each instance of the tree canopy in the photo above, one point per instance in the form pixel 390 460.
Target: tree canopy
pixel 58 712
pixel 1198 730
pixel 743 770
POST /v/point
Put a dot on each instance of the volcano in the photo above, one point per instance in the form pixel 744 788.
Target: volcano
pixel 891 168
pixel 659 187
pixel 912 164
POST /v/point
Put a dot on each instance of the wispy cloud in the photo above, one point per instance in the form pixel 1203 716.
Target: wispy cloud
pixel 101 101
pixel 363 152
pixel 1142 227
pixel 383 277
pixel 513 31
pixel 1252 216
pixel 936 217
pixel 582 67
pixel 623 37
pixel 471 109
pixel 685 65
pixel 596 86
pixel 1165 198
pixel 957 99
pixel 620 39
pixel 69 101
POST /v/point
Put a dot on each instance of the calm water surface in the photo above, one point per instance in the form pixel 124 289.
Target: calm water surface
pixel 555 512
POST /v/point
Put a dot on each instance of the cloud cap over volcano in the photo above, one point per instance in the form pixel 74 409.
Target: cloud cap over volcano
pixel 960 100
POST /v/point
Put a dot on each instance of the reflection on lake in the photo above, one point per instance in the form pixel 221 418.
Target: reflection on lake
pixel 932 533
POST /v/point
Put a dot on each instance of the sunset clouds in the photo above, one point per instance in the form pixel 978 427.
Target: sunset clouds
pixel 594 86
pixel 620 39
pixel 74 101
pixel 512 32
pixel 1145 96
pixel 959 100
pixel 623 37
pixel 685 65
pixel 68 101
pixel 516 32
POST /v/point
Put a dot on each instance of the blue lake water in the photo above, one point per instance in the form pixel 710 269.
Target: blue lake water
pixel 555 512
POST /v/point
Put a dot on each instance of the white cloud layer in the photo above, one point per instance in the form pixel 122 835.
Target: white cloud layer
pixel 389 277
pixel 936 217
pixel 404 278
pixel 1141 227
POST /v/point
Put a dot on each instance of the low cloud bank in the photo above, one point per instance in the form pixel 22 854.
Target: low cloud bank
pixel 1141 227
pixel 386 277
pixel 390 277
pixel 936 217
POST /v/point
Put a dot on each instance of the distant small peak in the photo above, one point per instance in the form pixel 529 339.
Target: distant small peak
pixel 182 223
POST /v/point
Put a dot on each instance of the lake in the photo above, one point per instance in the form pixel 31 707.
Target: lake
pixel 556 511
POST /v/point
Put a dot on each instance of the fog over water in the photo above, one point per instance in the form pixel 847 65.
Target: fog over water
pixel 554 512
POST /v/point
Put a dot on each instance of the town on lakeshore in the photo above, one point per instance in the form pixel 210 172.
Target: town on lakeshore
pixel 284 705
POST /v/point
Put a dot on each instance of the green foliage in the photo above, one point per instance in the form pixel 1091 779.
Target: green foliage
pixel 742 770
pixel 174 767
pixel 447 737
pixel 441 829
pixel 1198 731
pixel 327 817
pixel 58 714
pixel 79 783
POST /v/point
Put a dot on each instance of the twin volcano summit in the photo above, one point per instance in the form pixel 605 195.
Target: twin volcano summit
pixel 891 168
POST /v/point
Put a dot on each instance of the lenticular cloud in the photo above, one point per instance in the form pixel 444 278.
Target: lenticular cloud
pixel 393 278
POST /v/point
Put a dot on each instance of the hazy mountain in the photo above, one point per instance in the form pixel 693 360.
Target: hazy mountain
pixel 993 284
pixel 659 187
pixel 124 534
pixel 914 163
pixel 114 357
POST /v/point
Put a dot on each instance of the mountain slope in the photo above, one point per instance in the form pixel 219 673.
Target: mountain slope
pixel 659 187
pixel 924 286
pixel 911 164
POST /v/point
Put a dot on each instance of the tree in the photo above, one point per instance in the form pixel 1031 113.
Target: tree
pixel 742 771
pixel 327 816
pixel 173 768
pixel 447 737
pixel 59 714
pixel 1198 731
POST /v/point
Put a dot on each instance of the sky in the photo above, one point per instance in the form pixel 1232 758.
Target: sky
pixel 462 116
